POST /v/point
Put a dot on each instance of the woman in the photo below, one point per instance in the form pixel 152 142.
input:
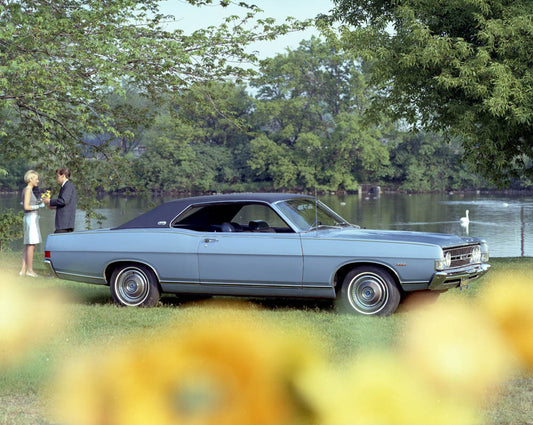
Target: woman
pixel 32 233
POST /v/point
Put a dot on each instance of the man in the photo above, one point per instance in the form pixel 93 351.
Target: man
pixel 65 203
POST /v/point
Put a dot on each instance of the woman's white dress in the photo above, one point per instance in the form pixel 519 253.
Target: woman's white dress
pixel 32 232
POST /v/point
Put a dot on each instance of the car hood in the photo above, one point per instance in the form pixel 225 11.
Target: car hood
pixel 440 239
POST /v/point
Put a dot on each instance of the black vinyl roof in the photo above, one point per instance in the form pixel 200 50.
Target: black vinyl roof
pixel 162 216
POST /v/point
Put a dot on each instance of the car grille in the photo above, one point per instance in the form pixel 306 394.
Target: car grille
pixel 460 255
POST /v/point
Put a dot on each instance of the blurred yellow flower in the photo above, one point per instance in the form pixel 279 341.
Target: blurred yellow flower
pixel 46 194
pixel 27 319
pixel 225 366
pixel 507 300
pixel 456 348
pixel 379 388
pixel 222 368
pixel 84 393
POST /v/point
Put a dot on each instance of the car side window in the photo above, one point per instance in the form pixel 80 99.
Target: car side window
pixel 257 218
pixel 199 218
pixel 232 217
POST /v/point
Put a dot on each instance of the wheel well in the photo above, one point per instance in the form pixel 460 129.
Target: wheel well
pixel 111 268
pixel 344 270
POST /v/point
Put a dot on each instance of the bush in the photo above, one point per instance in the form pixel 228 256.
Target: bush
pixel 10 227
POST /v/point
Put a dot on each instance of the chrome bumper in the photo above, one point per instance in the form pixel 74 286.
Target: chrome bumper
pixel 49 268
pixel 453 278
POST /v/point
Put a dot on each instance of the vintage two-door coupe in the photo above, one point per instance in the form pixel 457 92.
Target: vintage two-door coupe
pixel 281 245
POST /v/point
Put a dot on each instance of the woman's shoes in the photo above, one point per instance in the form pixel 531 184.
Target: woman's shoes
pixel 30 274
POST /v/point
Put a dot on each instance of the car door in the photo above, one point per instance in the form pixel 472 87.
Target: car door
pixel 261 251
pixel 249 258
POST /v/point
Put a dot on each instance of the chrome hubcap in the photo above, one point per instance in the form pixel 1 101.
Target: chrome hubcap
pixel 132 286
pixel 368 293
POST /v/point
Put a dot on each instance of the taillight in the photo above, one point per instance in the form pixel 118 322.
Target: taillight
pixel 46 254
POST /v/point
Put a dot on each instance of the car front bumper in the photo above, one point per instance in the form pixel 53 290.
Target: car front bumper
pixel 452 278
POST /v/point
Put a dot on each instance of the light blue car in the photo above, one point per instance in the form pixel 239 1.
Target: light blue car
pixel 264 245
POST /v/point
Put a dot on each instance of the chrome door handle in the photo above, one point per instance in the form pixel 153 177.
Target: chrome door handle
pixel 209 240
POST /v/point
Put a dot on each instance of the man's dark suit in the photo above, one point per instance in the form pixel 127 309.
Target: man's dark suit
pixel 65 207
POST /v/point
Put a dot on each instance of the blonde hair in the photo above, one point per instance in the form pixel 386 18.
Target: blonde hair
pixel 29 174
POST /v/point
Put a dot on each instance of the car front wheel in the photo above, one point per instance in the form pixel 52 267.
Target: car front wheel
pixel 135 285
pixel 369 290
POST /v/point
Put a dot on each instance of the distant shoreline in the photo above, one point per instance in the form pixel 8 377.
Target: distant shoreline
pixel 366 189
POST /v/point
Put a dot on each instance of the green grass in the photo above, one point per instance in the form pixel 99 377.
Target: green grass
pixel 95 320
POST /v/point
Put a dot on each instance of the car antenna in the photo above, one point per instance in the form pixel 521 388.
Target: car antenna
pixel 316 208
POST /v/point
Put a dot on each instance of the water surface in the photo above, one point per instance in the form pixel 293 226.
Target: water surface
pixel 503 220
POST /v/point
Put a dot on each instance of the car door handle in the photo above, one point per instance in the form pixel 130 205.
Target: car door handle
pixel 210 240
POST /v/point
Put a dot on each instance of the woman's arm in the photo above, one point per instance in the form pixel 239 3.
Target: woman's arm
pixel 26 200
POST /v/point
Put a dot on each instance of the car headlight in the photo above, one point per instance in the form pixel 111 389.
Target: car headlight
pixel 476 254
pixel 448 259
pixel 444 262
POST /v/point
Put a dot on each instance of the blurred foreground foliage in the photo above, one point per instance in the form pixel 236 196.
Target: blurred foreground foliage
pixel 238 363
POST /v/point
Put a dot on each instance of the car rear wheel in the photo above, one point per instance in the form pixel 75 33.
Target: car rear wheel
pixel 135 285
pixel 369 290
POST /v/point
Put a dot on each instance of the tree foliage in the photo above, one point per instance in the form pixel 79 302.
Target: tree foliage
pixel 301 126
pixel 65 63
pixel 426 162
pixel 203 134
pixel 463 67
pixel 303 129
pixel 309 109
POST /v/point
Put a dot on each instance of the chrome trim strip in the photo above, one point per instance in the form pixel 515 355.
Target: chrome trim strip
pixel 239 285
pixel 81 278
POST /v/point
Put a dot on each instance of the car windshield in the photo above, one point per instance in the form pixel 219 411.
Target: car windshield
pixel 308 214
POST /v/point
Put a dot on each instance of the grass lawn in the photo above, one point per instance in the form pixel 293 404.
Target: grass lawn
pixel 95 321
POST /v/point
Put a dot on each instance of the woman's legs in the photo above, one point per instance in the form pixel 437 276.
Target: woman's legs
pixel 24 261
pixel 27 259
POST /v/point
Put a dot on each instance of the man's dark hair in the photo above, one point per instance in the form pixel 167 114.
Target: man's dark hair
pixel 63 172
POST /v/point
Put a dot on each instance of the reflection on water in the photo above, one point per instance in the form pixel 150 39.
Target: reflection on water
pixel 503 220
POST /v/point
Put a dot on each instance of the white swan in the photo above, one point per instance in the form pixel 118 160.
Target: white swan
pixel 465 220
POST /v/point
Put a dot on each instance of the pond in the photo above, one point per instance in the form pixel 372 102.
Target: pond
pixel 503 220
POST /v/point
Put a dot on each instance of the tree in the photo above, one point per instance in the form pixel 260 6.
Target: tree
pixel 12 176
pixel 272 161
pixel 425 162
pixel 133 114
pixel 62 63
pixel 463 67
pixel 221 111
pixel 310 103
pixel 169 162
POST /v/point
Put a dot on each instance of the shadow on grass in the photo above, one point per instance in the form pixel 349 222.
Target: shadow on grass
pixel 324 305
pixel 272 304
pixel 87 294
